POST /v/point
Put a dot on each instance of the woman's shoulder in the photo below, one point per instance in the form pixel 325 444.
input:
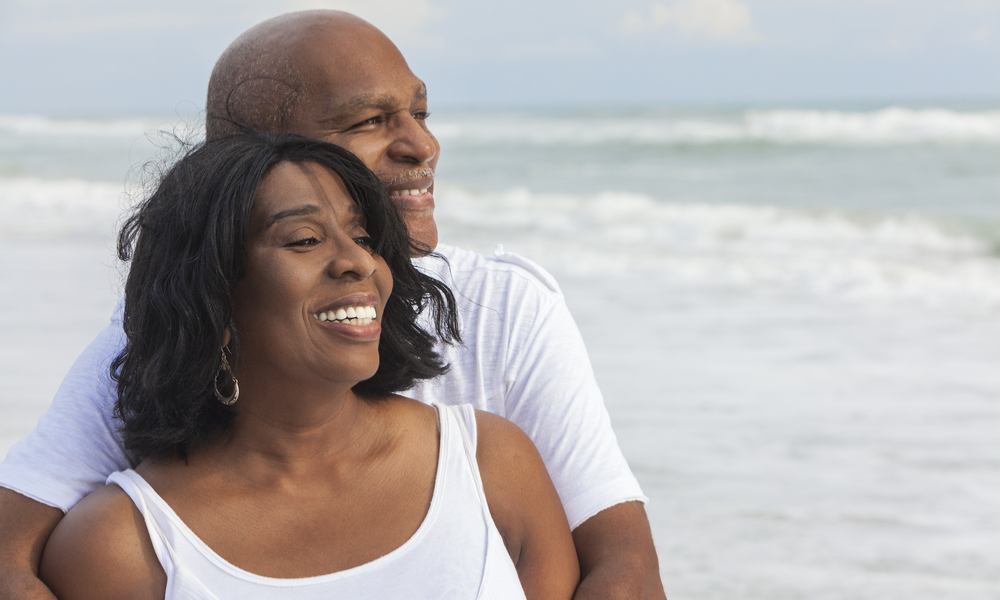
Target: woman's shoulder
pixel 102 549
pixel 526 508
pixel 512 471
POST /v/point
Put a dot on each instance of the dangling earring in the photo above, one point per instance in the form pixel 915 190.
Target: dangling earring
pixel 232 398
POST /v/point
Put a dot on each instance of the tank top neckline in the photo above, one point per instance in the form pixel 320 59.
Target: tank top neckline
pixel 214 557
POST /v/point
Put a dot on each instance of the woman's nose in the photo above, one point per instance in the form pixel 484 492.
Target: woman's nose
pixel 352 260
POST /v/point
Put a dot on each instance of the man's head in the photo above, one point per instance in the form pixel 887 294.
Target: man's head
pixel 332 76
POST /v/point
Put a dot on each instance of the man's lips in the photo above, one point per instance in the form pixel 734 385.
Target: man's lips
pixel 415 194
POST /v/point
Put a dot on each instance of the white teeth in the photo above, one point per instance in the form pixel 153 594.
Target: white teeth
pixel 353 315
pixel 419 192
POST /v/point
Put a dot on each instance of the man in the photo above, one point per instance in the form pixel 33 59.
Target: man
pixel 332 76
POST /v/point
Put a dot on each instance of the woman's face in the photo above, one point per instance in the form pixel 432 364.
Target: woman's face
pixel 310 304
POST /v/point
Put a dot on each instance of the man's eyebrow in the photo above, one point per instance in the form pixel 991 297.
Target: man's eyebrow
pixel 357 104
pixel 292 212
pixel 363 102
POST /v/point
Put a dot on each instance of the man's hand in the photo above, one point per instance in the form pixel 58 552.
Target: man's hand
pixel 617 556
pixel 25 526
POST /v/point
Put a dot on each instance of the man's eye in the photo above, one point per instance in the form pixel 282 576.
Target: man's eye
pixel 304 242
pixel 369 122
pixel 422 115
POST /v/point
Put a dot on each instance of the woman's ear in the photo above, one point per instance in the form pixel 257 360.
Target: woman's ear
pixel 226 336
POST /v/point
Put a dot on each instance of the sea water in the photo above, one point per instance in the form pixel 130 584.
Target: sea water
pixel 793 313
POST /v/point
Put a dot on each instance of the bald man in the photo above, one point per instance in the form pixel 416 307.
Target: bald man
pixel 334 77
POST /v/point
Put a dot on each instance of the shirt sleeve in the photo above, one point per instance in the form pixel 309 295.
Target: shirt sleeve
pixel 75 445
pixel 553 396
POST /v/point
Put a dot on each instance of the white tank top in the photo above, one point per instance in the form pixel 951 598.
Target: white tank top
pixel 457 551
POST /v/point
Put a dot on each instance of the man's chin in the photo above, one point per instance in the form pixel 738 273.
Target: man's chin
pixel 422 229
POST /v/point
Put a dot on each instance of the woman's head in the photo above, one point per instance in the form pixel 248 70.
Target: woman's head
pixel 309 255
pixel 189 285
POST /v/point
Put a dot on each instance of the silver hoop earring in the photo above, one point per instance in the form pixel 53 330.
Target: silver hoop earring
pixel 230 399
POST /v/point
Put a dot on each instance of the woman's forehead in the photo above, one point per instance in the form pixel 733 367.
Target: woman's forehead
pixel 295 186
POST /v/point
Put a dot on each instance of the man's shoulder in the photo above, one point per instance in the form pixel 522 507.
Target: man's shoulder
pixel 466 270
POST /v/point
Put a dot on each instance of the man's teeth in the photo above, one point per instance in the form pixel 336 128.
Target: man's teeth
pixel 410 192
pixel 353 315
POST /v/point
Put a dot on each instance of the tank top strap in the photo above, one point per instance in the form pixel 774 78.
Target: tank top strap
pixel 133 485
pixel 500 580
pixel 466 420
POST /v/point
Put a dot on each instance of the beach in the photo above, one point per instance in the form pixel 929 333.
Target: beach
pixel 793 313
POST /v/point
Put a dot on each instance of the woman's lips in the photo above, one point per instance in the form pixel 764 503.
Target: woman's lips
pixel 361 333
pixel 353 316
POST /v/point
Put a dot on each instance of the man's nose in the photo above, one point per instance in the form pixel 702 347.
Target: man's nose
pixel 412 143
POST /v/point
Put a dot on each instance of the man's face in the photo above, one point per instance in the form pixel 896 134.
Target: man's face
pixel 361 95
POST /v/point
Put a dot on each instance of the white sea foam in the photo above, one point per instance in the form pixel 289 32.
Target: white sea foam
pixel 893 125
pixel 129 128
pixel 31 207
pixel 828 252
pixel 38 125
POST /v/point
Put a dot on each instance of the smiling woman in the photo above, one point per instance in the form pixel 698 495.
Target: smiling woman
pixel 287 254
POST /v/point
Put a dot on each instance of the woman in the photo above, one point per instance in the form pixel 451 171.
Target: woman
pixel 256 389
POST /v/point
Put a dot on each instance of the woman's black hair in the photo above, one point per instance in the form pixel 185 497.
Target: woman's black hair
pixel 188 247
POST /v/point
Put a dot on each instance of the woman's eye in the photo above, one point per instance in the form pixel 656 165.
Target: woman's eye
pixel 304 242
pixel 365 241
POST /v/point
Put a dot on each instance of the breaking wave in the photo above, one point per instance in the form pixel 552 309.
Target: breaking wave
pixel 825 251
pixel 894 125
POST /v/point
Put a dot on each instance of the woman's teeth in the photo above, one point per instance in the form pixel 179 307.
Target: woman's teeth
pixel 352 315
pixel 410 192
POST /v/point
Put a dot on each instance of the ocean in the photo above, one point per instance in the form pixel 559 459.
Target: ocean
pixel 793 313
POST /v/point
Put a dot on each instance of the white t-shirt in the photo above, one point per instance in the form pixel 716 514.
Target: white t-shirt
pixel 521 357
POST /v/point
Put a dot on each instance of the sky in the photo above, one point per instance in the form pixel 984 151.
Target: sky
pixel 111 56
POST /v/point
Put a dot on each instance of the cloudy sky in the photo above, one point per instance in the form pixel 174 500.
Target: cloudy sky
pixel 79 57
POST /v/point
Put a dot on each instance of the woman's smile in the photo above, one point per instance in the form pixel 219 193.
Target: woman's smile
pixel 354 316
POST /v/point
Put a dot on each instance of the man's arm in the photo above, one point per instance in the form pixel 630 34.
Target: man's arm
pixel 70 453
pixel 25 525
pixel 617 556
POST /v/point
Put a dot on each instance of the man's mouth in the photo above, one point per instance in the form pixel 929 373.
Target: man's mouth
pixel 418 197
pixel 411 193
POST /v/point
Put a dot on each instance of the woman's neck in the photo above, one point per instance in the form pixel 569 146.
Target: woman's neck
pixel 295 428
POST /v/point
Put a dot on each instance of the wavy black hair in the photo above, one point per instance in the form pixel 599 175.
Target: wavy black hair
pixel 187 244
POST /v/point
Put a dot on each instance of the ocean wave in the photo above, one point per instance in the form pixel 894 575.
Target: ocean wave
pixel 134 127
pixel 874 255
pixel 31 207
pixel 894 125
pixel 854 254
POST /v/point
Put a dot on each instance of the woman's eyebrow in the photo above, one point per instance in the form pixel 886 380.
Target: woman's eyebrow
pixel 292 212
